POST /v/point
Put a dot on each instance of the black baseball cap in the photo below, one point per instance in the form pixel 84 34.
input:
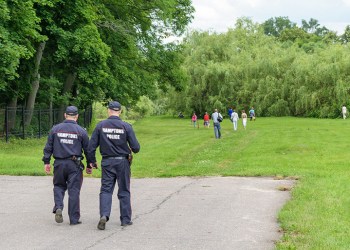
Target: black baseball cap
pixel 72 110
pixel 114 106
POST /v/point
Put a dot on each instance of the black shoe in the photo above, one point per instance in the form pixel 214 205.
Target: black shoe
pixel 102 223
pixel 58 216
pixel 76 223
pixel 124 224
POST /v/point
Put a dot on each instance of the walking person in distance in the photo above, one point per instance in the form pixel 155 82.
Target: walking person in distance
pixel 194 120
pixel 344 111
pixel 234 119
pixel 252 114
pixel 244 119
pixel 206 120
pixel 217 118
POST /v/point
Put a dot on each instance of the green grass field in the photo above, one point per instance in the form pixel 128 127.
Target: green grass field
pixel 313 151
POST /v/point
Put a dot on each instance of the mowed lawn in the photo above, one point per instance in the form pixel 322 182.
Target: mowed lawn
pixel 315 152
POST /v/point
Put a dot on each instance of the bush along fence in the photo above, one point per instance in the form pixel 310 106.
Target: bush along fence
pixel 22 123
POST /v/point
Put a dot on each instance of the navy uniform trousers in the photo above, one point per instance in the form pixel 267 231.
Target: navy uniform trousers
pixel 115 170
pixel 67 175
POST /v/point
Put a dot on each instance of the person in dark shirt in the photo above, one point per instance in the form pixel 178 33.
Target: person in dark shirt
pixel 117 142
pixel 65 142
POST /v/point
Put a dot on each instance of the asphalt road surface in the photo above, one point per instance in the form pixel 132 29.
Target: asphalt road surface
pixel 168 213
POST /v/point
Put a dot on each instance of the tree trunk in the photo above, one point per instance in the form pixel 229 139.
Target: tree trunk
pixel 35 84
pixel 67 88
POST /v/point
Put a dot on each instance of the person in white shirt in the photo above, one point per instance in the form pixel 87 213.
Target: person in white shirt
pixel 234 119
pixel 344 111
pixel 244 119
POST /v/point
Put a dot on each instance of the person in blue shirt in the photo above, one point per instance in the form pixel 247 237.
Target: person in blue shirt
pixel 229 112
pixel 252 114
pixel 117 141
pixel 65 142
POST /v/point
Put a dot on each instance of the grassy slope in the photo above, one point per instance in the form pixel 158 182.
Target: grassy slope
pixel 313 150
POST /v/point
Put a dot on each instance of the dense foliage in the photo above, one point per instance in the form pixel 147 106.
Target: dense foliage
pixel 57 52
pixel 277 67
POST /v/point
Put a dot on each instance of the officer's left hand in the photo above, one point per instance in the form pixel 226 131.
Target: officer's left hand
pixel 47 168
pixel 94 165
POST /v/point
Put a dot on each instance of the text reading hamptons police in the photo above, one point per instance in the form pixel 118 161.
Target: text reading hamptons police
pixel 113 133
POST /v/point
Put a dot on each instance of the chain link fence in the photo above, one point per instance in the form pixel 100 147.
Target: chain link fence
pixel 22 123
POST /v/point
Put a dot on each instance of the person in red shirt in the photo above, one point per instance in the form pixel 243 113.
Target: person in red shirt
pixel 206 120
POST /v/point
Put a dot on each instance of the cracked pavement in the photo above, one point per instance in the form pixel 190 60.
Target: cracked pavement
pixel 168 213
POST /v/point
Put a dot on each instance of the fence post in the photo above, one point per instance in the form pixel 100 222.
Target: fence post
pixel 23 129
pixel 85 118
pixel 90 115
pixel 6 124
pixel 39 120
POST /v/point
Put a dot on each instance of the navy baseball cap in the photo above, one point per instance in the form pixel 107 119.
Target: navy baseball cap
pixel 71 110
pixel 114 106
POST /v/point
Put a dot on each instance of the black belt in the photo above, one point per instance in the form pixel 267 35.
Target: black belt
pixel 73 158
pixel 116 157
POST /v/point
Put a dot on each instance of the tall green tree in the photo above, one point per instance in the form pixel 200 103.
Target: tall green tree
pixel 79 51
pixel 140 60
pixel 20 30
pixel 75 49
pixel 345 37
pixel 275 26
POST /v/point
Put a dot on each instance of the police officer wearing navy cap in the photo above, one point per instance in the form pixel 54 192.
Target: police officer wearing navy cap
pixel 117 141
pixel 65 142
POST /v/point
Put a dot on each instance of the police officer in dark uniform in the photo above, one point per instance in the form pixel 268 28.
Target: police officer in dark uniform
pixel 117 141
pixel 66 142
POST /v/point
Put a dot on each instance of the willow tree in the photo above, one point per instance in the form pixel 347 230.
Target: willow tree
pixel 297 73
pixel 226 69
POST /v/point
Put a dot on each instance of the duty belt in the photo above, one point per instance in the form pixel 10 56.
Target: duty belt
pixel 73 158
pixel 116 157
pixel 76 159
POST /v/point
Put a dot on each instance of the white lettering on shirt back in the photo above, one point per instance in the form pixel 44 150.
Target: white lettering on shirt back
pixel 66 141
pixel 67 135
pixel 113 133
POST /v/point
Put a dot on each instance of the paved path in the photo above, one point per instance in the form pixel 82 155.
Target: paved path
pixel 172 213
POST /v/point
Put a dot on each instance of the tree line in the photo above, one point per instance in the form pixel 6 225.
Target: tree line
pixel 55 52
pixel 277 67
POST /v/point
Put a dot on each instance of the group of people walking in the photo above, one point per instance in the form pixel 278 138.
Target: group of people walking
pixel 67 141
pixel 217 119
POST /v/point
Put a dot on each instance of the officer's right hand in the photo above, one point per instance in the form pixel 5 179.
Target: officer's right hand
pixel 88 170
pixel 47 168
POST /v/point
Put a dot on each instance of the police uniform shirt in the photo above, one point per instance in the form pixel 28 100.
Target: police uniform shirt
pixel 114 138
pixel 65 140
